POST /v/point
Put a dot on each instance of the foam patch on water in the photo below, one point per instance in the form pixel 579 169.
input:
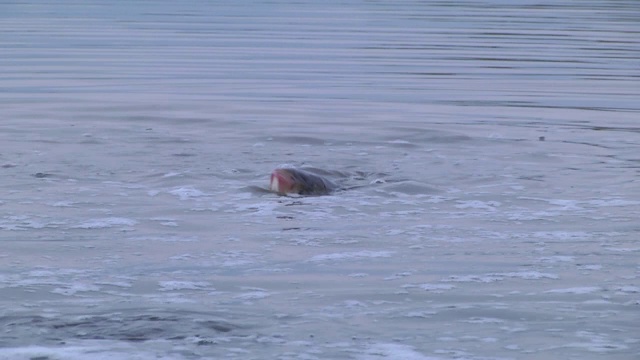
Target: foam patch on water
pixel 94 350
pixel 590 267
pixel 420 314
pixel 628 289
pixel 24 222
pixel 235 258
pixel 476 204
pixel 393 351
pixel 573 205
pixel 75 288
pixel 556 259
pixel 493 277
pixel 184 285
pixel 358 275
pixel 64 203
pixel 483 320
pixel 102 223
pixel 436 287
pixel 398 276
pixel 252 295
pixel 613 202
pixel 575 290
pixel 115 283
pixel 166 238
pixel 352 255
pixel 45 277
pixel 598 343
pixel 562 235
pixel 187 192
pixel 253 209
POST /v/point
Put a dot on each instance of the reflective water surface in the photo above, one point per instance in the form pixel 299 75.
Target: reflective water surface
pixel 489 148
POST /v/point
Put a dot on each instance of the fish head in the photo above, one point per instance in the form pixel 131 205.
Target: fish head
pixel 284 181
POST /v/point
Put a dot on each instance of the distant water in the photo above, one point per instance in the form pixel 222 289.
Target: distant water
pixel 491 148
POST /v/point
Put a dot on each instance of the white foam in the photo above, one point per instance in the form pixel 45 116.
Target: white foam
pixel 598 343
pixel 393 351
pixel 354 304
pixel 484 320
pixel 94 350
pixel 252 295
pixel 184 285
pixel 628 289
pixel 24 222
pixel 575 290
pixel 252 209
pixel 473 278
pixel 557 258
pixel 237 262
pixel 121 284
pixel 398 276
pixel 420 314
pixel 187 192
pixel 352 255
pixel 436 287
pixel 102 223
pixel 66 203
pixel 529 275
pixel 167 238
pixel 562 235
pixel 493 277
pixel 590 267
pixel 476 204
pixel 613 202
pixel 75 288
pixel 358 275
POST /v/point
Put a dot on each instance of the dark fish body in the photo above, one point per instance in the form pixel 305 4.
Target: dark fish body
pixel 296 181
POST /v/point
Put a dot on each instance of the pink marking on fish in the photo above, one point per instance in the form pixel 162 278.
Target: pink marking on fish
pixel 282 182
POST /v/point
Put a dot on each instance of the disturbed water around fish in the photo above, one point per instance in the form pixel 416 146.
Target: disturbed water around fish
pixel 490 152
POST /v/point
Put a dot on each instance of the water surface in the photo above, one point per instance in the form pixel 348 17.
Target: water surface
pixel 493 149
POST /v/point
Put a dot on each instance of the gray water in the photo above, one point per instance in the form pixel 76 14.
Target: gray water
pixel 491 150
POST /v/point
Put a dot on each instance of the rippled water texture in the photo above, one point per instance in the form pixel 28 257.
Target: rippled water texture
pixel 488 153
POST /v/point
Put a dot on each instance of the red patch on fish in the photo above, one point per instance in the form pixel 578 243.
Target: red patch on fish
pixel 281 181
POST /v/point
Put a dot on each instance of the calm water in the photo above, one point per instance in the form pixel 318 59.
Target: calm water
pixel 491 147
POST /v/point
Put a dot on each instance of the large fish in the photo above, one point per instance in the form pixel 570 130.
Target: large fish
pixel 296 181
